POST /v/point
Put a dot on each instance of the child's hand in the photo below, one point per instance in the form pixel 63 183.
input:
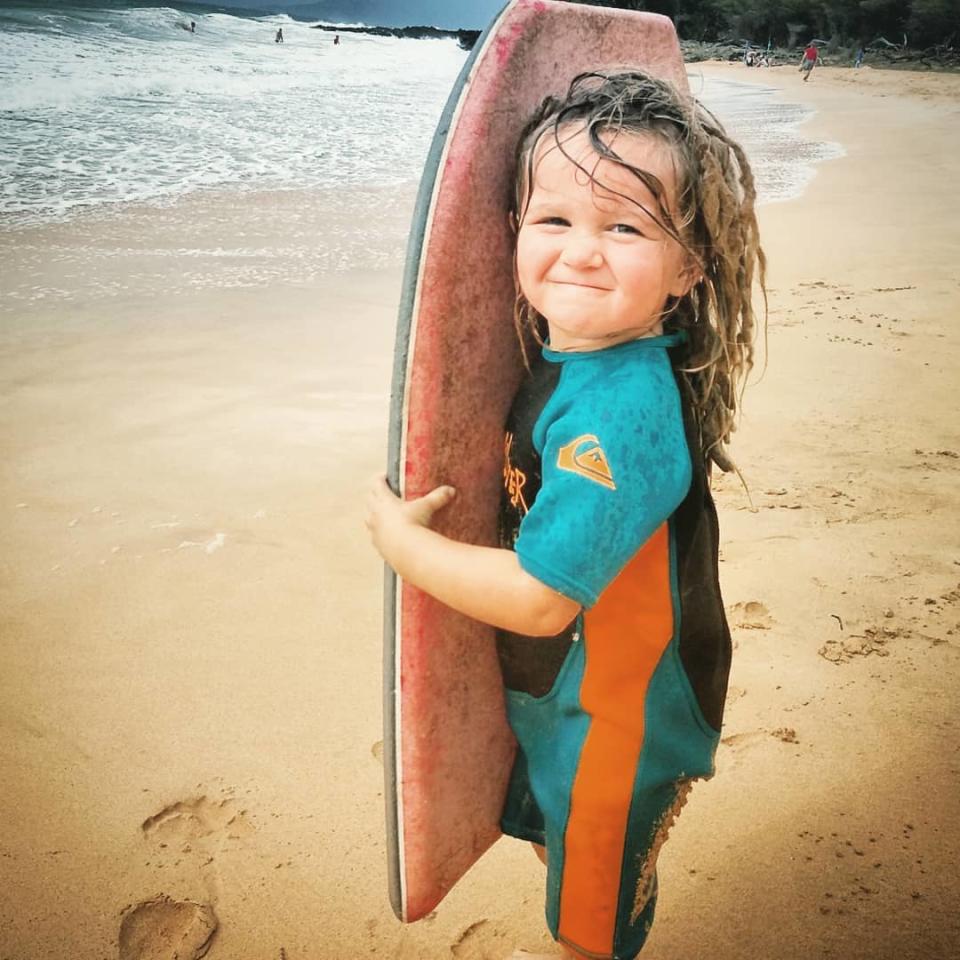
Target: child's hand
pixel 389 517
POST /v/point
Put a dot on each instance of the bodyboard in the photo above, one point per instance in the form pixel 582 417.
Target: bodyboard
pixel 457 365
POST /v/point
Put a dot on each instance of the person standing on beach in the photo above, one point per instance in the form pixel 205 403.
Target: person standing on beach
pixel 336 40
pixel 636 253
pixel 858 59
pixel 279 37
pixel 810 58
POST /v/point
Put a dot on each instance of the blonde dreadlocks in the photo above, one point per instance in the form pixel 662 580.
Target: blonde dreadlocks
pixel 715 224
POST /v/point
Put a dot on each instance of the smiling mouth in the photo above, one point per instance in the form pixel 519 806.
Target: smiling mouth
pixel 582 286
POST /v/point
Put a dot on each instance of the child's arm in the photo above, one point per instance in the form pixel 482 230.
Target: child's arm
pixel 485 583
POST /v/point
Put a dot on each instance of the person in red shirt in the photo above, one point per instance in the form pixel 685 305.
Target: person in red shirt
pixel 810 57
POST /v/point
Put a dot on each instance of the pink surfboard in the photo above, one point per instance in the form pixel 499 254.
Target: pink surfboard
pixel 447 746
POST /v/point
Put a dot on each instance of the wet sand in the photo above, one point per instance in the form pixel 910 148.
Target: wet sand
pixel 190 613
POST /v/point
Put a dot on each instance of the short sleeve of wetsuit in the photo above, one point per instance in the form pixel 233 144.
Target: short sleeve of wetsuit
pixel 615 466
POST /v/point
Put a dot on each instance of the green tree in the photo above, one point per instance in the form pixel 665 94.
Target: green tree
pixel 933 21
pixel 925 22
pixel 884 18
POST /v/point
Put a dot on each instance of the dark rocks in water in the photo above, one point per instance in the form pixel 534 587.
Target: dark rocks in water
pixel 465 38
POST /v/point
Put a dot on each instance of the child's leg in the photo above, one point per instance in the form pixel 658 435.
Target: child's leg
pixel 565 951
pixel 625 890
pixel 600 795
pixel 541 853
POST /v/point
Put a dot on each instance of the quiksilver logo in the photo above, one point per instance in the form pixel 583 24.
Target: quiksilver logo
pixel 585 457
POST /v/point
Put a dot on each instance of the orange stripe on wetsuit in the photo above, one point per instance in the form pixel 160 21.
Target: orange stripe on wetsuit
pixel 625 633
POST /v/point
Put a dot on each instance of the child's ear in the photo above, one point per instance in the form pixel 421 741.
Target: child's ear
pixel 512 221
pixel 688 277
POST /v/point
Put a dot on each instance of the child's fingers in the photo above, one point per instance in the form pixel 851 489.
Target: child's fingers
pixel 440 497
pixel 380 489
pixel 426 506
pixel 379 496
pixel 381 499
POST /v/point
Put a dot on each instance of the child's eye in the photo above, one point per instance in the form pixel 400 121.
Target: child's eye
pixel 624 228
pixel 553 222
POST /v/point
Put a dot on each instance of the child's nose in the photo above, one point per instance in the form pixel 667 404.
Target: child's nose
pixel 581 250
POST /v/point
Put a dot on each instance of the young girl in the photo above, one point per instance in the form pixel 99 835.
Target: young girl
pixel 636 253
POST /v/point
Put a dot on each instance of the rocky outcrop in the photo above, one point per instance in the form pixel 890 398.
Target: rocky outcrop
pixel 466 38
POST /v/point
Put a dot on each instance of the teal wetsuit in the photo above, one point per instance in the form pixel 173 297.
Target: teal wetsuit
pixel 606 501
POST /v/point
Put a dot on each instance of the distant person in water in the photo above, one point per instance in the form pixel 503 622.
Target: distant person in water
pixel 810 57
pixel 336 40
pixel 279 37
pixel 193 26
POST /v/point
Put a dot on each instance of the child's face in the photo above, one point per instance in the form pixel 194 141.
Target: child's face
pixel 593 264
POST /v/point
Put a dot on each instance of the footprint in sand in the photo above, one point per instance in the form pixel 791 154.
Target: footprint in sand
pixel 465 944
pixel 740 741
pixel 735 693
pixel 785 734
pixel 189 832
pixel 873 640
pixel 165 929
pixel 197 819
pixel 750 615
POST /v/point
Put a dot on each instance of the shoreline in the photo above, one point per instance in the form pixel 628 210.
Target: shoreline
pixel 213 202
pixel 191 622
pixel 198 244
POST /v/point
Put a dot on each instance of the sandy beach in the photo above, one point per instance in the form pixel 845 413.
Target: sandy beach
pixel 190 611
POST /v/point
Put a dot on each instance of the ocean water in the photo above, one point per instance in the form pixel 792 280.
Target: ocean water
pixel 108 110
pixel 104 103
pixel 784 161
